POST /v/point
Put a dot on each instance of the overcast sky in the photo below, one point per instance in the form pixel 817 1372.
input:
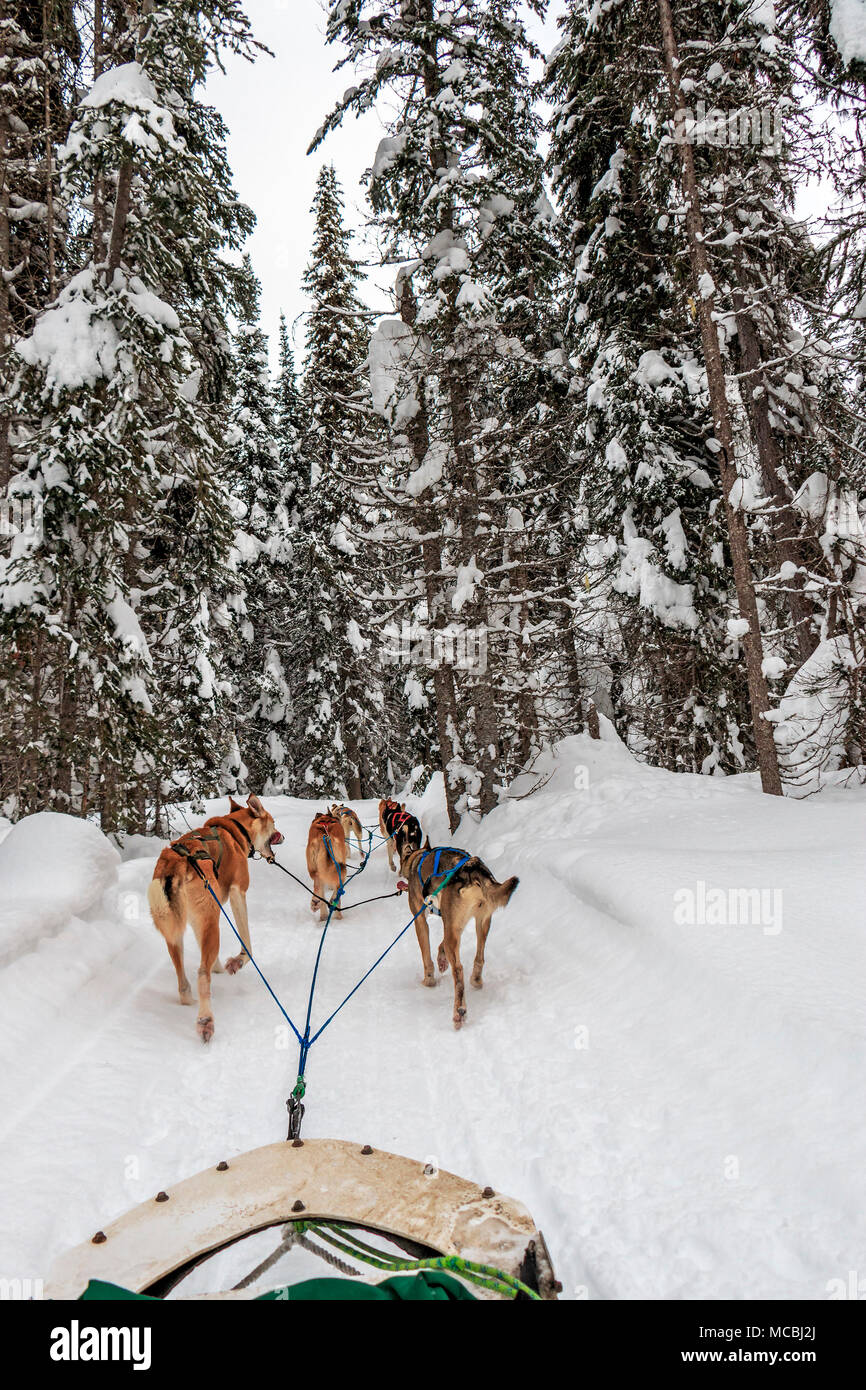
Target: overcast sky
pixel 272 109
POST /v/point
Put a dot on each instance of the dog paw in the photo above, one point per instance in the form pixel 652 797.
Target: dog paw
pixel 233 964
pixel 204 1027
pixel 430 981
pixel 476 982
pixel 442 962
pixel 459 1017
pixel 185 995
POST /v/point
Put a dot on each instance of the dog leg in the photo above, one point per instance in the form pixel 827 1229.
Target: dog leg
pixel 169 917
pixel 209 939
pixel 238 901
pixel 324 891
pixel 451 942
pixel 482 927
pixel 175 950
pixel 422 931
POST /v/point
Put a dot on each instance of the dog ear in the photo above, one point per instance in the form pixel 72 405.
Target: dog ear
pixel 426 844
pixel 255 805
pixel 234 805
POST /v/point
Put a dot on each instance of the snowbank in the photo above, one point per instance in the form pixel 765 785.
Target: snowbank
pixel 52 867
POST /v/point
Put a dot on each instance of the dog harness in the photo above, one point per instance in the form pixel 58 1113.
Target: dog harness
pixel 437 855
pixel 202 853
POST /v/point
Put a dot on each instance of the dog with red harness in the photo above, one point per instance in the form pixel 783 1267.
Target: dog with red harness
pixel 401 829
pixel 197 873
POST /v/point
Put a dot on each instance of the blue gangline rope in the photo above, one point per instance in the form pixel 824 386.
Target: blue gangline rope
pixel 305 1040
pixel 249 953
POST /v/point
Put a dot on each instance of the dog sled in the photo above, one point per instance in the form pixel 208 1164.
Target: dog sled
pixel 230 1232
pixel 366 1213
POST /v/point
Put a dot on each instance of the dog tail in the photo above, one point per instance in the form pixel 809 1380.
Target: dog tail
pixel 162 898
pixel 503 891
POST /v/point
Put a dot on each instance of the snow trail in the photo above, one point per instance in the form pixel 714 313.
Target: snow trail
pixel 678 1105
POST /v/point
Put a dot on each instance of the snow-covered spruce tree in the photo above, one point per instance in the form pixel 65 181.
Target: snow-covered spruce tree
pixel 457 192
pixel 40 50
pixel 328 651
pixel 648 527
pixel 823 722
pixel 259 476
pixel 115 612
pixel 724 213
pixel 290 421
pixel 761 278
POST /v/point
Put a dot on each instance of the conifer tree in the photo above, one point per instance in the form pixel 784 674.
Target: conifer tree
pixel 457 192
pixel 116 608
pixel 655 176
pixel 329 649
pixel 261 482
pixel 40 52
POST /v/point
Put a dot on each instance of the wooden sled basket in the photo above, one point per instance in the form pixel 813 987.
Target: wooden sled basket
pixel 424 1211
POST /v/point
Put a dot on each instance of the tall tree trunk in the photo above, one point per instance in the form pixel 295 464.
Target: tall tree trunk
pixel 99 193
pixel 5 267
pixel 122 201
pixel 738 540
pixel 783 519
pixel 431 555
pixel 49 153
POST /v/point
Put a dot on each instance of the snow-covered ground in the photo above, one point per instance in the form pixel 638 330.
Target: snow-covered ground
pixel 677 1100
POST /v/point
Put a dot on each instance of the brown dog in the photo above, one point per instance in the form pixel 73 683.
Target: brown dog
pixel 326 860
pixel 351 826
pixel 216 856
pixel 471 892
pixel 388 811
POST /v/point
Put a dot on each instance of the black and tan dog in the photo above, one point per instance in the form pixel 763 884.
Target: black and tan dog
pixel 214 857
pixel 351 826
pixel 402 829
pixel 471 891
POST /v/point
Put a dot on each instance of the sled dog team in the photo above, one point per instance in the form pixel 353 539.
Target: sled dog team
pixel 212 863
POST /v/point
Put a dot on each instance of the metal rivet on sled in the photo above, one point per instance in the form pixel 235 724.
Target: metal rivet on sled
pixel 298 1205
pixel 297 1143
pixel 222 1167
pixel 488 1192
pixel 99 1238
pixel 366 1149
pixel 161 1197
